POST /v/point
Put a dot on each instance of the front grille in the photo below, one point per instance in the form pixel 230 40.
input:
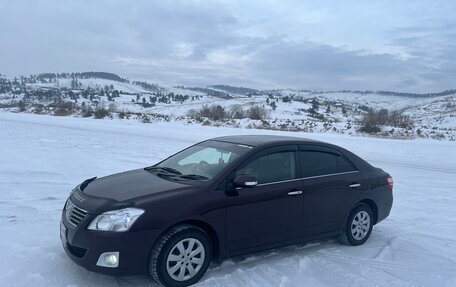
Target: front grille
pixel 74 214
pixel 77 251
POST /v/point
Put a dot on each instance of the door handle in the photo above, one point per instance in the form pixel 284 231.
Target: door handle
pixel 296 192
pixel 354 185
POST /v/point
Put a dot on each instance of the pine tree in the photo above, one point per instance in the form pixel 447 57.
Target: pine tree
pixel 273 106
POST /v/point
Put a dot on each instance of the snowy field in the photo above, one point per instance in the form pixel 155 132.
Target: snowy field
pixel 43 157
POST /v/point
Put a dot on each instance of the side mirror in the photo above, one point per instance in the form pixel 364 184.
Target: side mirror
pixel 245 181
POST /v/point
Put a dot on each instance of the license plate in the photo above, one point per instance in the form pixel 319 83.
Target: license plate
pixel 63 234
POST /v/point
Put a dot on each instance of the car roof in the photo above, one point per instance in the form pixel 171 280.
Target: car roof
pixel 259 140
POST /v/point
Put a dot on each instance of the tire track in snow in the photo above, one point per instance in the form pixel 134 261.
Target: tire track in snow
pixel 388 265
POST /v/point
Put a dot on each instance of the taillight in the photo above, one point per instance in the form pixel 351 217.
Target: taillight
pixel 390 182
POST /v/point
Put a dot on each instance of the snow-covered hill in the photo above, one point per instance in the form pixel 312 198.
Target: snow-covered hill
pixel 43 157
pixel 427 116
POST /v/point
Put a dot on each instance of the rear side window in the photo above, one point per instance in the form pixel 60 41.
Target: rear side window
pixel 314 163
pixel 344 165
pixel 272 167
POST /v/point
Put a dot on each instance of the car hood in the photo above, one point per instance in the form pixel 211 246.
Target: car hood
pixel 131 184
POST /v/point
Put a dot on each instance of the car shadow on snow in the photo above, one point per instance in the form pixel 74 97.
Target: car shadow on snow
pixel 230 265
pixel 322 248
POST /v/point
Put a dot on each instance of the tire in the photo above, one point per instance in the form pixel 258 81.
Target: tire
pixel 166 256
pixel 358 226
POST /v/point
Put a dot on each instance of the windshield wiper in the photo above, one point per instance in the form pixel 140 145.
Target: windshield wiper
pixel 193 176
pixel 163 168
pixel 170 170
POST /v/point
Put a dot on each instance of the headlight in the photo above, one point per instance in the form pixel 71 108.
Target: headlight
pixel 117 220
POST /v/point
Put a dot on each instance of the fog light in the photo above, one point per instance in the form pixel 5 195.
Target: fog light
pixel 109 259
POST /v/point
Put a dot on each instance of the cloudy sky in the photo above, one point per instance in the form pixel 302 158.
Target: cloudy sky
pixel 387 45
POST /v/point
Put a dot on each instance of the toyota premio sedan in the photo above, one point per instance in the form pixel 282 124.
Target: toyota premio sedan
pixel 222 197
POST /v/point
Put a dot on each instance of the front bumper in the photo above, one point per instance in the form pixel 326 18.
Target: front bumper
pixel 84 247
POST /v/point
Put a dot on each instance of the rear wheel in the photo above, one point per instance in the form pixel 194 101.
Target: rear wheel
pixel 359 226
pixel 181 256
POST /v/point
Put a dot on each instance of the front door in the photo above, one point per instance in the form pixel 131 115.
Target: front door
pixel 271 211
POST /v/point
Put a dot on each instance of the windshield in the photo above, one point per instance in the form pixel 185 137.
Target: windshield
pixel 202 161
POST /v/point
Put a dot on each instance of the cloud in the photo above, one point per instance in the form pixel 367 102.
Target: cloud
pixel 266 44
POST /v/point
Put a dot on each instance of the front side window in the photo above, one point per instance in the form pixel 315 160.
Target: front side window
pixel 270 168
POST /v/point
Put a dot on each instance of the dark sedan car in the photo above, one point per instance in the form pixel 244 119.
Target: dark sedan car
pixel 218 198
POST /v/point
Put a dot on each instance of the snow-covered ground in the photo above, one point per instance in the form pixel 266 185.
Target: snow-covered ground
pixel 286 109
pixel 43 157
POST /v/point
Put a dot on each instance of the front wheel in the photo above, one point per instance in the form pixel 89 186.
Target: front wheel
pixel 359 226
pixel 181 256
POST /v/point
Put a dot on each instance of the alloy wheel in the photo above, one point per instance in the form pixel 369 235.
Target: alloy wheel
pixel 360 225
pixel 185 259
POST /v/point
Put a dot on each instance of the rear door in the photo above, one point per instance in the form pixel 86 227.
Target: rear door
pixel 271 211
pixel 332 184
